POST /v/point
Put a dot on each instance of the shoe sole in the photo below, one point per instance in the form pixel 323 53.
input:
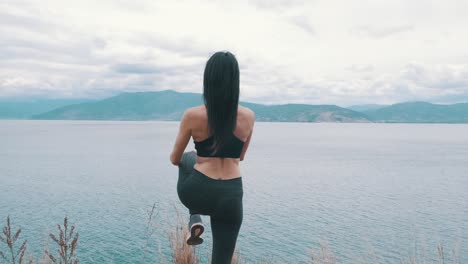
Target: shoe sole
pixel 196 230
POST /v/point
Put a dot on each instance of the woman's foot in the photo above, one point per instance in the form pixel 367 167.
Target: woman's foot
pixel 196 228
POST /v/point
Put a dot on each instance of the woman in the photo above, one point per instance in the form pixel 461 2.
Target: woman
pixel 209 180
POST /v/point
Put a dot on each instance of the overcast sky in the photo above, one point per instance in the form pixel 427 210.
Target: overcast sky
pixel 318 52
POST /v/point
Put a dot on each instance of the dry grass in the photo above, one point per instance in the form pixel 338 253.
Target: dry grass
pixel 323 255
pixel 9 238
pixel 185 254
pixel 181 253
pixel 442 256
pixel 151 227
pixel 67 241
pixel 237 259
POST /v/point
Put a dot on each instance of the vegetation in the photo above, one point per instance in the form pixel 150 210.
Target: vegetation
pixel 9 238
pixel 67 241
pixel 181 253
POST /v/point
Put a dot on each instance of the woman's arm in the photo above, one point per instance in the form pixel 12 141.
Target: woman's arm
pixel 246 145
pixel 182 139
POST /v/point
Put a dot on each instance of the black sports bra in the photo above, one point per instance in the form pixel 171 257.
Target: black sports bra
pixel 232 148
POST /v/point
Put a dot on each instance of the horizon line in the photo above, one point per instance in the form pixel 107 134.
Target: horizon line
pixel 38 97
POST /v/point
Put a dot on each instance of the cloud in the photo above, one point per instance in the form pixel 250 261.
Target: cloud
pixel 21 21
pixel 277 4
pixel 383 32
pixel 440 77
pixel 136 68
pixel 289 51
pixel 184 46
pixel 361 68
pixel 304 23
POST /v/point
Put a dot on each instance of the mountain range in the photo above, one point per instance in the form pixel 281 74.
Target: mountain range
pixel 420 112
pixel 170 105
pixel 24 108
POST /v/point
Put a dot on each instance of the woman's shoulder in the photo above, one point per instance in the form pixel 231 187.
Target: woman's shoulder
pixel 196 111
pixel 193 115
pixel 247 112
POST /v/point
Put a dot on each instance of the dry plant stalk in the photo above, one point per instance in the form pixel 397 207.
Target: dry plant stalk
pixel 440 251
pixel 151 228
pixel 9 239
pixel 148 231
pixel 182 253
pixel 266 261
pixel 323 255
pixel 442 257
pixel 67 245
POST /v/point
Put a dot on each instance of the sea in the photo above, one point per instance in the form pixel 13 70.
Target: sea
pixel 354 193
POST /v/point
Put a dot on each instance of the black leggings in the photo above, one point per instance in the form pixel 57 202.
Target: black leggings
pixel 220 199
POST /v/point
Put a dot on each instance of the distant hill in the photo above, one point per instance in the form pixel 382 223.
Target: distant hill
pixel 170 105
pixel 305 113
pixel 163 105
pixel 366 107
pixel 420 112
pixel 25 108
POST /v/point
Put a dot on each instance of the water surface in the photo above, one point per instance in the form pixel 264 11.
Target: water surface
pixel 370 191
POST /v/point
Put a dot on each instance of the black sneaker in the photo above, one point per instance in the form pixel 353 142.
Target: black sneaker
pixel 196 228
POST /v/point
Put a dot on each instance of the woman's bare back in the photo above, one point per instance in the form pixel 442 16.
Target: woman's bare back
pixel 215 167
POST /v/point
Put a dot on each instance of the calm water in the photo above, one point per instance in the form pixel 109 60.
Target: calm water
pixel 370 191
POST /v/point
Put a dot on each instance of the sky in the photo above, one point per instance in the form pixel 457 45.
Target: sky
pixel 289 51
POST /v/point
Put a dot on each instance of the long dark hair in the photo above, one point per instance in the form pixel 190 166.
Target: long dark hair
pixel 221 96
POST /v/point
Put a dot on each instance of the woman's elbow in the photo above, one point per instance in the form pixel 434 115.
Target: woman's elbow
pixel 174 161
